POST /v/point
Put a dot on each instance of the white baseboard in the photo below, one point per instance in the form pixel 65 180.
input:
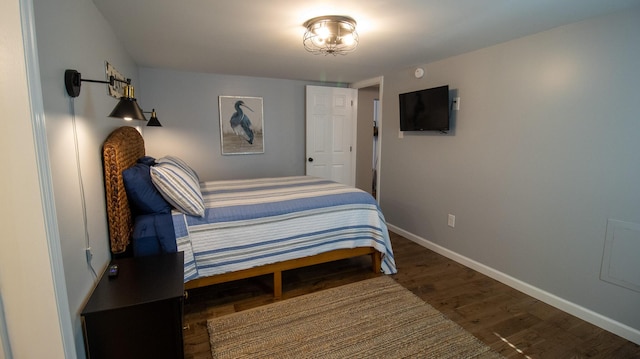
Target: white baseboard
pixel 585 314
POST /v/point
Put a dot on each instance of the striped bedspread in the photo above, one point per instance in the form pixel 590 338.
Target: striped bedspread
pixel 249 223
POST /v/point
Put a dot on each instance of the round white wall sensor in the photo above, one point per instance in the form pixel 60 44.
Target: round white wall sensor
pixel 419 72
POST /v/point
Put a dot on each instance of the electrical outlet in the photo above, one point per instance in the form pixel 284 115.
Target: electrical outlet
pixel 451 221
pixel 89 254
pixel 456 103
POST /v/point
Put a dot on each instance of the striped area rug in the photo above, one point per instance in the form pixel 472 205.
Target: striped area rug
pixel 374 318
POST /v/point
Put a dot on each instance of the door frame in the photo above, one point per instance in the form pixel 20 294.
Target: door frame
pixel 65 330
pixel 368 83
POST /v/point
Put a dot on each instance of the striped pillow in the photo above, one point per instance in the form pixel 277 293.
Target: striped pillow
pixel 178 186
pixel 180 163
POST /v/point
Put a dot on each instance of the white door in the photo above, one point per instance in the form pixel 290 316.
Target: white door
pixel 330 120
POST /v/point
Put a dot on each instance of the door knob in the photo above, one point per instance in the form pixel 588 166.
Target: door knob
pixel 310 159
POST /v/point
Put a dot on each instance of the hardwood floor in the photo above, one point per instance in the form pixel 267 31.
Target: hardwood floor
pixel 514 324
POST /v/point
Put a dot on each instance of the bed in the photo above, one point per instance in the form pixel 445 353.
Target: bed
pixel 238 229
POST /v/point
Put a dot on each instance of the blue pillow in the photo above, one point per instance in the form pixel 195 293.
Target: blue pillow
pixel 147 160
pixel 145 242
pixel 143 196
pixel 153 234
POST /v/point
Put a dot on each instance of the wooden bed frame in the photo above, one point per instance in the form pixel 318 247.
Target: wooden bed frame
pixel 121 150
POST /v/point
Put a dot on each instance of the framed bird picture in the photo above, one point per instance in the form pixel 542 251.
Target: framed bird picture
pixel 241 125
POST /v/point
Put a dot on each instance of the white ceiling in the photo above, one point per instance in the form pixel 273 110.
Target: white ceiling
pixel 263 38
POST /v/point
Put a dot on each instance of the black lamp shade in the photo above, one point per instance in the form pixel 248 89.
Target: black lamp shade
pixel 127 108
pixel 153 121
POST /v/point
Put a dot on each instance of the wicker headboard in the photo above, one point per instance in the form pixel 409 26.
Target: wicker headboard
pixel 120 151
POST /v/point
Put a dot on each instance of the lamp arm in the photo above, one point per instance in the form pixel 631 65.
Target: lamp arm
pixel 112 81
pixel 73 80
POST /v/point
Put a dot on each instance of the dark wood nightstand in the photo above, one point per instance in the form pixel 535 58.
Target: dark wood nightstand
pixel 138 313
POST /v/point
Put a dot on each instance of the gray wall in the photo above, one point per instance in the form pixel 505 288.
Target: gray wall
pixel 187 106
pixel 544 151
pixel 73 34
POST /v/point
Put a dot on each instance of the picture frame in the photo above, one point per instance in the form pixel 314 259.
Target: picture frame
pixel 241 125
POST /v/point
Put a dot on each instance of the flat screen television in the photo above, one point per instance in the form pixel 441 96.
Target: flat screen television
pixel 425 110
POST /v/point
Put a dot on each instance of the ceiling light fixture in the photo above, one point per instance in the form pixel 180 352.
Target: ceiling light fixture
pixel 331 34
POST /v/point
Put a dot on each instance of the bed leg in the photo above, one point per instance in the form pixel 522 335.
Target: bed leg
pixel 376 261
pixel 277 285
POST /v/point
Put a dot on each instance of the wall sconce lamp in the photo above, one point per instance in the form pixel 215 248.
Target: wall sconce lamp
pixel 127 108
pixel 153 120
